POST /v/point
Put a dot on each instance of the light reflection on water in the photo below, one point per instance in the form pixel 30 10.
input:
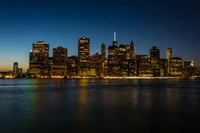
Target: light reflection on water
pixel 55 105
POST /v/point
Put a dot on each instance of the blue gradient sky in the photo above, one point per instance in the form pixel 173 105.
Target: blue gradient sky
pixel 163 23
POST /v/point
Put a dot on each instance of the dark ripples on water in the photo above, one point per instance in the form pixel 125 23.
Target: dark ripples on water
pixel 88 105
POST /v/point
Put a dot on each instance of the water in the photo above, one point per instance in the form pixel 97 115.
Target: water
pixel 89 105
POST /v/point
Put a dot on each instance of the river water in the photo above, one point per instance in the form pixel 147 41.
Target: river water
pixel 99 105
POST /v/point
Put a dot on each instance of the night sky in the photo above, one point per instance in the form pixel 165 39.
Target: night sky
pixel 162 23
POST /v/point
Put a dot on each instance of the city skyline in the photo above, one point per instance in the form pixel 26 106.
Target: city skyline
pixel 162 52
pixel 161 24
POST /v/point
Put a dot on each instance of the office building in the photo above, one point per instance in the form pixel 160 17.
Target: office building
pixel 95 63
pixel 143 64
pixel 155 58
pixel 59 67
pixel 175 66
pixel 188 63
pixel 15 68
pixel 103 52
pixel 39 59
pixel 103 59
pixel 168 53
pixel 84 56
pixel 72 66
pixel 163 67
pixel 132 50
pixel 113 62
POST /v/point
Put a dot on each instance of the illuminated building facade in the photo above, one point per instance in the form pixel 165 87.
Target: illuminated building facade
pixel 175 66
pixel 15 68
pixel 123 56
pixel 113 62
pixel 168 53
pixel 59 61
pixel 154 58
pixel 72 66
pixel 95 62
pixel 84 56
pixel 121 60
pixel 188 63
pixel 38 61
pixel 143 66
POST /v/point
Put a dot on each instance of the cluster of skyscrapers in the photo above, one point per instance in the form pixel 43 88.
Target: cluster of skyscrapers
pixel 120 61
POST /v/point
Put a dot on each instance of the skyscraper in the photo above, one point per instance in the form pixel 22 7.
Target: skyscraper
pixel 95 61
pixel 168 57
pixel 39 55
pixel 72 66
pixel 113 62
pixel 15 68
pixel 59 61
pixel 103 60
pixel 168 53
pixel 132 50
pixel 84 56
pixel 103 52
pixel 154 58
pixel 143 66
pixel 155 52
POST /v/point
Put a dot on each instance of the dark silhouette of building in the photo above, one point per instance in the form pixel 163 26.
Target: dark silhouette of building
pixel 50 66
pixel 72 66
pixel 39 59
pixel 20 71
pixel 188 63
pixel 84 56
pixel 155 58
pixel 168 57
pixel 15 68
pixel 132 50
pixel 103 60
pixel 163 67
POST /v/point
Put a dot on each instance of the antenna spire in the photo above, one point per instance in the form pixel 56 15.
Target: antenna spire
pixel 115 36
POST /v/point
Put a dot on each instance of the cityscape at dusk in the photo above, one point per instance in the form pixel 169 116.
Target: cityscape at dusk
pixel 99 66
pixel 157 23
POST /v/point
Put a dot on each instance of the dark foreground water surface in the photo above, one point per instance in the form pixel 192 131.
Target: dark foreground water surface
pixel 91 105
